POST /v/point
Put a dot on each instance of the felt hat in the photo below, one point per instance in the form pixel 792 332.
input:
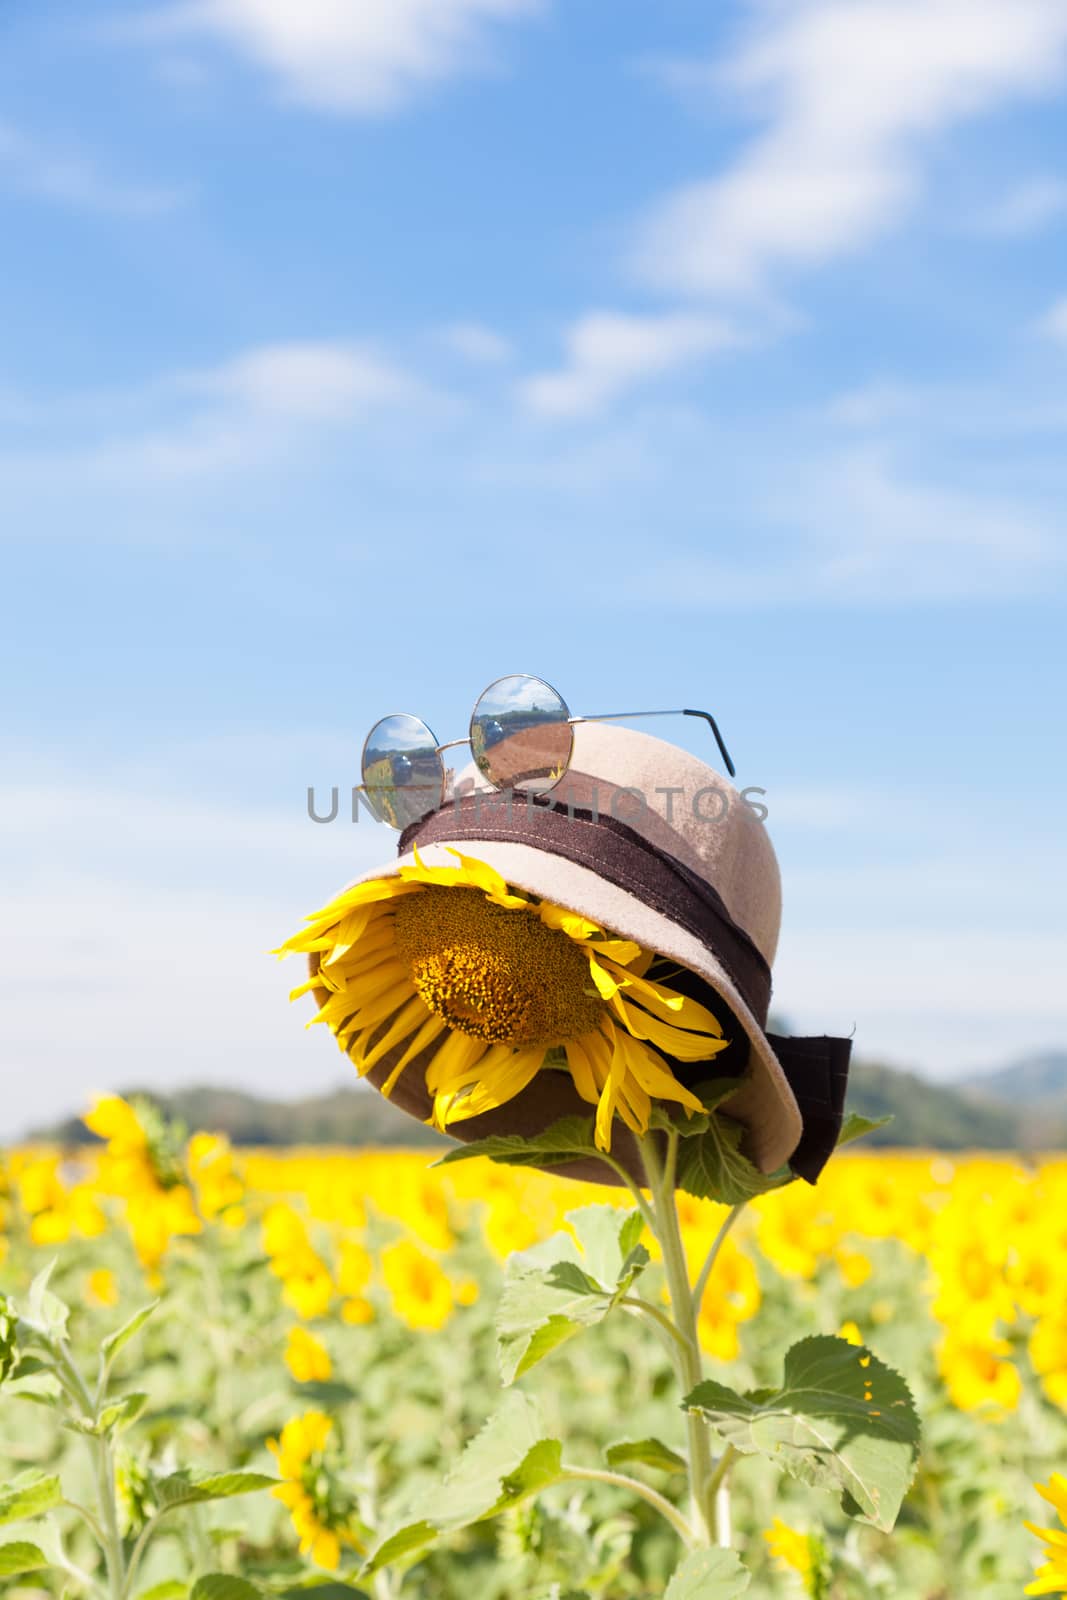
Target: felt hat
pixel 652 846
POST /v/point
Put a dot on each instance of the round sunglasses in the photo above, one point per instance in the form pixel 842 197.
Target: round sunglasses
pixel 521 736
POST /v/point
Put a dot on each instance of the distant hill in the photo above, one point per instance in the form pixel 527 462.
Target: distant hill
pixel 356 1116
pixel 928 1114
pixel 1034 1080
pixel 936 1116
pixel 1033 1092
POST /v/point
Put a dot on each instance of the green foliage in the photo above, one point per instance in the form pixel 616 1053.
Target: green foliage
pixel 20 1557
pixel 645 1453
pixel 708 1575
pixel 505 1464
pixel 570 1139
pixel 118 1340
pixel 8 1345
pixel 185 1489
pixel 223 1586
pixel 568 1283
pixel 42 1316
pixel 30 1494
pixel 94 1414
pixel 841 1419
pixel 710 1163
pixel 857 1126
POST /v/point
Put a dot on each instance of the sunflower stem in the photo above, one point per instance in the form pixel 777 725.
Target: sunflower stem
pixel 712 1256
pixel 635 1302
pixel 661 1175
pixel 620 1480
pixel 639 1200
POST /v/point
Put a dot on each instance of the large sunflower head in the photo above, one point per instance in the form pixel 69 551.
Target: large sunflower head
pixel 476 988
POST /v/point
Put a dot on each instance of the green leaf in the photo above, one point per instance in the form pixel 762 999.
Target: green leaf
pixel 44 1313
pixel 169 1589
pixel 20 1557
pixel 114 1342
pixel 646 1453
pixel 502 1466
pixel 855 1126
pixel 708 1575
pixel 841 1420
pixel 569 1282
pixel 221 1586
pixel 126 1409
pixel 28 1495
pixel 183 1489
pixel 27 1367
pixel 710 1163
pixel 570 1139
pixel 405 1541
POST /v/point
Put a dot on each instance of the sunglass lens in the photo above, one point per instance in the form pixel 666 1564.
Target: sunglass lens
pixel 520 734
pixel 403 774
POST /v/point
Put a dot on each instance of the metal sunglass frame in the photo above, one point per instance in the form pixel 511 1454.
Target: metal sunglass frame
pixel 452 744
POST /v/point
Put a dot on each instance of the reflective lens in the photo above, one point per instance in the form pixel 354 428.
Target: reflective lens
pixel 520 735
pixel 403 775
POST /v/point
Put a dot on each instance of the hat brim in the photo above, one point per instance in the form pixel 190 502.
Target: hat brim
pixel 763 1102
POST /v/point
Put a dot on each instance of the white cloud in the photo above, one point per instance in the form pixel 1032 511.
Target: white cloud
pixel 1054 322
pixel 317 380
pixel 849 90
pixel 1032 205
pixel 608 353
pixel 363 57
pixel 475 342
pixel 243 410
pixel 858 530
pixel 76 181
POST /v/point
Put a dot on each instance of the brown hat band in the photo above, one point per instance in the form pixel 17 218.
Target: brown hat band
pixel 619 855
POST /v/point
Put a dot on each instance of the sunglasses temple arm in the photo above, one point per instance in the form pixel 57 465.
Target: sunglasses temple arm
pixel 619 716
pixel 713 725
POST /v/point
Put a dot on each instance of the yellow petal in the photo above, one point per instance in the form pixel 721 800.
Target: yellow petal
pixel 675 1041
pixel 428 1032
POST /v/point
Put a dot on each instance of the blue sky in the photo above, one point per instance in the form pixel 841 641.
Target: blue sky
pixel 355 355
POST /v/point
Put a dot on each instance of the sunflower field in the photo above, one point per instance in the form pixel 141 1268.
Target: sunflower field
pixel 231 1373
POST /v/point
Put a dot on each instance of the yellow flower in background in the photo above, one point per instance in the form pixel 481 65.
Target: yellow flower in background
pixel 141 1167
pixel 307 1357
pixel 499 981
pixel 977 1372
pixel 102 1288
pixel 1048 1349
pixel 732 1297
pixel 308 1283
pixel 421 1292
pixel 791 1548
pixel 219 1190
pixel 57 1212
pixel 355 1268
pixel 323 1514
pixel 854 1266
pixel 1052 1577
pixel 850 1333
pixel 116 1122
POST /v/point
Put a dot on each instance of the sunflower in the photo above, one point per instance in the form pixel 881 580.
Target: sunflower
pixel 506 985
pixel 1052 1577
pixel 322 1510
